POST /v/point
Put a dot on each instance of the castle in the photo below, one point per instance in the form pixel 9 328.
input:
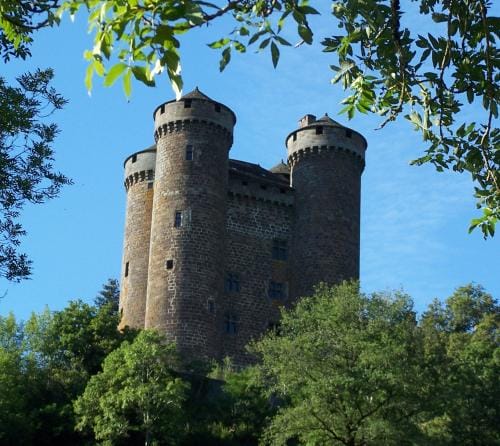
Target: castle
pixel 214 247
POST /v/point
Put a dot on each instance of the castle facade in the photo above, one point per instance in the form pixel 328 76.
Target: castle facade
pixel 214 247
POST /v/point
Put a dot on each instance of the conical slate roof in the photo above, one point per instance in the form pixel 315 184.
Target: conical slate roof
pixel 280 168
pixel 327 120
pixel 196 94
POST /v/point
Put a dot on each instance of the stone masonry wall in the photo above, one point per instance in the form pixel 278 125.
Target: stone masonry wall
pixel 326 229
pixel 177 297
pixel 139 176
pixel 252 226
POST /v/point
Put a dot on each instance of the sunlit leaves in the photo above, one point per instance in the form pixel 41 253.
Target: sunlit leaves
pixel 428 78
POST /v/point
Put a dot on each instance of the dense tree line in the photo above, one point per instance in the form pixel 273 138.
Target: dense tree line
pixel 344 368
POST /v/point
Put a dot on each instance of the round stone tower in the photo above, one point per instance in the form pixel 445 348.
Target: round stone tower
pixel 139 177
pixel 193 137
pixel 326 161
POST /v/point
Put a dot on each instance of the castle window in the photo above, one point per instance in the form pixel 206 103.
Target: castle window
pixel 294 136
pixel 189 153
pixel 319 130
pixel 134 158
pixel 282 191
pixel 217 108
pixel 162 109
pixel 178 219
pixel 348 133
pixel 150 185
pixel 232 283
pixel 126 269
pixel 276 290
pixel 280 249
pixel 187 103
pixel 230 324
pixel 169 264
pixel 211 306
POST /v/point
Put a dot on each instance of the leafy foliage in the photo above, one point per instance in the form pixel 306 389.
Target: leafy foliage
pixel 462 340
pixel 391 69
pixel 26 156
pixel 135 394
pixel 18 20
pixel 110 294
pixel 349 369
pixel 45 364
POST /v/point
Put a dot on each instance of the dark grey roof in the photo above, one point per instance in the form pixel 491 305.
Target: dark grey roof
pixel 280 168
pixel 242 168
pixel 326 120
pixel 149 149
pixel 196 94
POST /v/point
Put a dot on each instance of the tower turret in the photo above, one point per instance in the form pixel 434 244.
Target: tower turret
pixel 193 137
pixel 326 161
pixel 139 176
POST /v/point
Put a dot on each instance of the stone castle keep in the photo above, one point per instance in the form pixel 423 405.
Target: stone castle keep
pixel 214 247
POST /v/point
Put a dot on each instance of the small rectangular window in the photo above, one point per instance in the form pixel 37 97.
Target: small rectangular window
pixel 134 158
pixel 178 219
pixel 189 153
pixel 232 283
pixel 348 133
pixel 126 269
pixel 280 249
pixel 276 290
pixel 187 103
pixel 150 185
pixel 217 108
pixel 230 324
pixel 295 137
pixel 211 306
pixel 169 264
pixel 319 130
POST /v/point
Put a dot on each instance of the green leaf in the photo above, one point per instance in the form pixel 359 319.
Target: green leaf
pixel 305 33
pixel 264 43
pixel 225 59
pixel 275 54
pixel 256 36
pixel 219 43
pixel 282 41
pixel 89 73
pixel 308 10
pixel 142 74
pixel 113 74
pixel 127 83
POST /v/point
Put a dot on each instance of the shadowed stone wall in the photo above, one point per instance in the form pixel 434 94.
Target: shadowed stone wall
pixel 139 177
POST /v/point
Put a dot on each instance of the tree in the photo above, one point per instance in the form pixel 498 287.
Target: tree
pixel 45 364
pixel 136 397
pixel 348 369
pixel 26 156
pixel 109 295
pixel 18 19
pixel 462 340
pixel 14 424
pixel 231 408
pixel 391 69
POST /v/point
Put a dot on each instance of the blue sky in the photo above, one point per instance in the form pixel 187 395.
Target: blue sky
pixel 414 220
